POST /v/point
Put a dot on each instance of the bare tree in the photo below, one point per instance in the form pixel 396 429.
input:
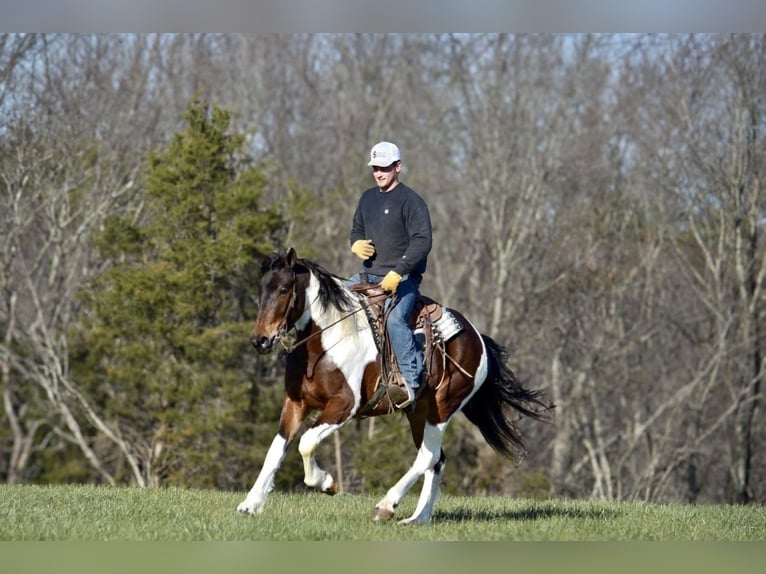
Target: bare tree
pixel 721 116
pixel 70 157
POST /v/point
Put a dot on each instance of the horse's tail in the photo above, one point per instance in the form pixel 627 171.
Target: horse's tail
pixel 488 410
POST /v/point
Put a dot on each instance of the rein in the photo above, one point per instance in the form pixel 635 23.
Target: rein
pixel 303 341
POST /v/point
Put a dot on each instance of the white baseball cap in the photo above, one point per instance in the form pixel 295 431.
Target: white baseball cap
pixel 384 154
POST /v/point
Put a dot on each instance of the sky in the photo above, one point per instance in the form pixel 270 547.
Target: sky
pixel 255 16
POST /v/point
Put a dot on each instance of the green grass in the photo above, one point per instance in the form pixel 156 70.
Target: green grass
pixel 90 513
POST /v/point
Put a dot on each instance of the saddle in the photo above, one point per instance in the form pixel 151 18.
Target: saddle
pixel 432 325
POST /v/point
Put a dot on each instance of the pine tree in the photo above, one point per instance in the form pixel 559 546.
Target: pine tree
pixel 164 347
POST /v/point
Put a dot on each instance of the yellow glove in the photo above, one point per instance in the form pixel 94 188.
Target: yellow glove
pixel 363 248
pixel 391 281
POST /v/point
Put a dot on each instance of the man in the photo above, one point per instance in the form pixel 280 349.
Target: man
pixel 391 234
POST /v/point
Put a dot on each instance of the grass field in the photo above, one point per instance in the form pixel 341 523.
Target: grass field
pixel 89 513
pixel 88 529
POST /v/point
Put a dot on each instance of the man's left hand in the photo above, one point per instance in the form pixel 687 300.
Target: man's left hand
pixel 391 281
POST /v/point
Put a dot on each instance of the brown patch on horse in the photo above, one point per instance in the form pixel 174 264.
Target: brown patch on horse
pixel 317 383
pixel 325 391
pixel 292 417
pixel 417 419
pixel 448 381
pixel 370 406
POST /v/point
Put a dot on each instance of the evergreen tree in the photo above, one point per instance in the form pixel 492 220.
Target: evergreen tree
pixel 163 349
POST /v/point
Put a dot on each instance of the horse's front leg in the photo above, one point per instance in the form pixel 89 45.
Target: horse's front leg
pixel 256 498
pixel 289 423
pixel 333 417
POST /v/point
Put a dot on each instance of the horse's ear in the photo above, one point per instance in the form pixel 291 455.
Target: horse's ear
pixel 264 261
pixel 291 257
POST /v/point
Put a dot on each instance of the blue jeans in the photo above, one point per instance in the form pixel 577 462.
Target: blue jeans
pixel 407 354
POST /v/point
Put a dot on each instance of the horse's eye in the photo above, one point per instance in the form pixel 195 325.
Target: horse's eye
pixel 283 290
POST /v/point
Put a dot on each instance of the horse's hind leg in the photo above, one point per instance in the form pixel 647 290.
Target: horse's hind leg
pixel 429 495
pixel 430 463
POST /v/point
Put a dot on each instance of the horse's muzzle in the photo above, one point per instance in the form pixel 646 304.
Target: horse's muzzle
pixel 262 343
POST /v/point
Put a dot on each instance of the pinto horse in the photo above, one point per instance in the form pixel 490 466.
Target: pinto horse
pixel 334 369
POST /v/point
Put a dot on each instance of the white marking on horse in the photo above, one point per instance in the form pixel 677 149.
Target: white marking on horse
pixel 313 475
pixel 256 498
pixel 349 343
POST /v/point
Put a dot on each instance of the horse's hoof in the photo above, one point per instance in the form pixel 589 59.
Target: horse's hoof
pixel 328 485
pixel 415 520
pixel 381 515
pixel 253 509
pixel 332 489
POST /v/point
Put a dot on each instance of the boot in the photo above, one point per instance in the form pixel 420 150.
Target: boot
pixel 413 394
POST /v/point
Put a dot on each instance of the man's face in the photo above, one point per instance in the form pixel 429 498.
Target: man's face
pixel 387 176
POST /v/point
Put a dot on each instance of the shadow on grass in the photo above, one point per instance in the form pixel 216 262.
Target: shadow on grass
pixel 536 512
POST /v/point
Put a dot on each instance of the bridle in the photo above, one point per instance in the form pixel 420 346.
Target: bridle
pixel 283 328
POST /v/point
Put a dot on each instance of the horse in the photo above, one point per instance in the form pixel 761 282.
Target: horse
pixel 333 372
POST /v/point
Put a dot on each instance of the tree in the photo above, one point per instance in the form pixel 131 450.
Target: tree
pixel 720 158
pixel 162 349
pixel 66 160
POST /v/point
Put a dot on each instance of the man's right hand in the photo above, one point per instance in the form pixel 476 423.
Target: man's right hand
pixel 363 248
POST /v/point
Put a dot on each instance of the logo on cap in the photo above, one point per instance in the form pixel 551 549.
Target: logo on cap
pixel 384 152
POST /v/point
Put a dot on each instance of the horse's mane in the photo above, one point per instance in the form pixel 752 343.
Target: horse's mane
pixel 331 289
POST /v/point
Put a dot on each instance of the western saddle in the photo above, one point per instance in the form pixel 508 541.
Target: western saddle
pixel 432 324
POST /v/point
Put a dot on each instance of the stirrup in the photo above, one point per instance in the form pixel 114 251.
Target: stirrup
pixel 409 403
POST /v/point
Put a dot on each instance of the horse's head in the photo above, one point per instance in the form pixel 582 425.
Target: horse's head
pixel 281 301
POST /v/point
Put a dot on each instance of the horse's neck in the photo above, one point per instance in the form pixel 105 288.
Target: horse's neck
pixel 337 322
